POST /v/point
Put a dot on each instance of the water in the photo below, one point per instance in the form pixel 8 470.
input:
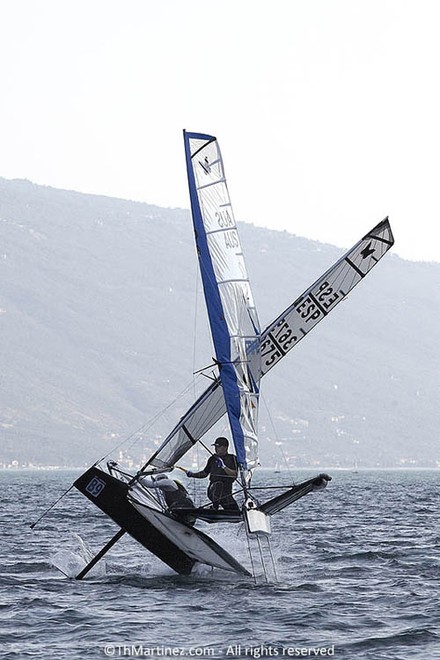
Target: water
pixel 358 565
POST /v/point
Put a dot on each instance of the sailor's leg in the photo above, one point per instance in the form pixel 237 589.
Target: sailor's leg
pixel 228 503
pixel 215 492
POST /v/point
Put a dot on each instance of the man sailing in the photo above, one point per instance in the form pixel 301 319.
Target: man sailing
pixel 222 470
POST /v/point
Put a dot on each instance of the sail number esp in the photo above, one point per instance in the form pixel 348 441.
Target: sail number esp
pixel 317 304
pixel 304 314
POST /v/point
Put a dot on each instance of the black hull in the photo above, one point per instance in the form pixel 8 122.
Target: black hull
pixel 113 497
pixel 295 493
pixel 110 495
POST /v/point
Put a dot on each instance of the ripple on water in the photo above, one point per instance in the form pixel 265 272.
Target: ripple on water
pixel 364 578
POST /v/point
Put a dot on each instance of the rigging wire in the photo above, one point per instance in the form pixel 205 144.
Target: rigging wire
pixel 195 338
pixel 34 524
pixel 277 437
pixel 196 309
pixel 148 424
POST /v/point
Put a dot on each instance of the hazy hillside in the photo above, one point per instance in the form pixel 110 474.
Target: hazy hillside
pixel 97 318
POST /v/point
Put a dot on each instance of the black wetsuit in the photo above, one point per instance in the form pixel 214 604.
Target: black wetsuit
pixel 220 484
pixel 178 499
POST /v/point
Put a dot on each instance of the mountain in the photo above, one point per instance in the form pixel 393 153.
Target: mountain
pixel 98 313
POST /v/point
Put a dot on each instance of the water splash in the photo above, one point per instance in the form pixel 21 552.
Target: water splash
pixel 72 559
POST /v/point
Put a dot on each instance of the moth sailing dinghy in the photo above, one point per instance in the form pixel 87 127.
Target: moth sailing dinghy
pixel 244 354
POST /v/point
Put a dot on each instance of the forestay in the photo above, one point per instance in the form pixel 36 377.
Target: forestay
pixel 281 336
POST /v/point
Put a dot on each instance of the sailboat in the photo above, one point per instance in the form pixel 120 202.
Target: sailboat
pixel 244 353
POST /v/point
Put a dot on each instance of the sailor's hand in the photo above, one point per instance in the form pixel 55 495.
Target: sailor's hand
pixel 219 463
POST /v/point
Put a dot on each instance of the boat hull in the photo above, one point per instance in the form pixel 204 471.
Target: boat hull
pixel 175 543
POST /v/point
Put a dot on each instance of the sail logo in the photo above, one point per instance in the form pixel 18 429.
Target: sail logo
pixel 95 487
pixel 367 251
pixel 206 167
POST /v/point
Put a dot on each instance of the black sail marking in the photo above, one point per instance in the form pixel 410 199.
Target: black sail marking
pixel 353 265
pixel 318 304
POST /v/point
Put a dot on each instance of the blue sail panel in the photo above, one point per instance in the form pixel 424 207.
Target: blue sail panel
pixel 232 315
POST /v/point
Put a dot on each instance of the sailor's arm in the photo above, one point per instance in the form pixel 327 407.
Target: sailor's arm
pixel 163 484
pixel 196 475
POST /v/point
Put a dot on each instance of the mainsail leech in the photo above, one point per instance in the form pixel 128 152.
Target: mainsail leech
pixel 280 336
pixel 232 315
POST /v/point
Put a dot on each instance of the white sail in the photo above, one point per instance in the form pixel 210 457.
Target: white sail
pixel 232 315
pixel 281 336
pixel 323 296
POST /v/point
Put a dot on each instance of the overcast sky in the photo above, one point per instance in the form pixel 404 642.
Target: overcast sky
pixel 327 111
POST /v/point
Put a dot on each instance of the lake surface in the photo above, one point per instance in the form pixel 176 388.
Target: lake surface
pixel 358 569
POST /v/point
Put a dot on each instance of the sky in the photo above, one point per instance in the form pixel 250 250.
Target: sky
pixel 327 111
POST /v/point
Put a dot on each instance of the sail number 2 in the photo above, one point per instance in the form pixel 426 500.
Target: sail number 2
pixel 302 316
pixel 224 219
pixel 226 222
pixel 277 343
pixel 326 295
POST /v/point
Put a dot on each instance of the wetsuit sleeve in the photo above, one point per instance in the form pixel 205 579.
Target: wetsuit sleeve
pixel 163 484
pixel 203 473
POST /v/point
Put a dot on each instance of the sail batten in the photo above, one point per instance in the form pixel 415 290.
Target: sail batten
pixel 212 183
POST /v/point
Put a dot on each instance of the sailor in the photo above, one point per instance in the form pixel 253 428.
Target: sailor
pixel 175 494
pixel 222 470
